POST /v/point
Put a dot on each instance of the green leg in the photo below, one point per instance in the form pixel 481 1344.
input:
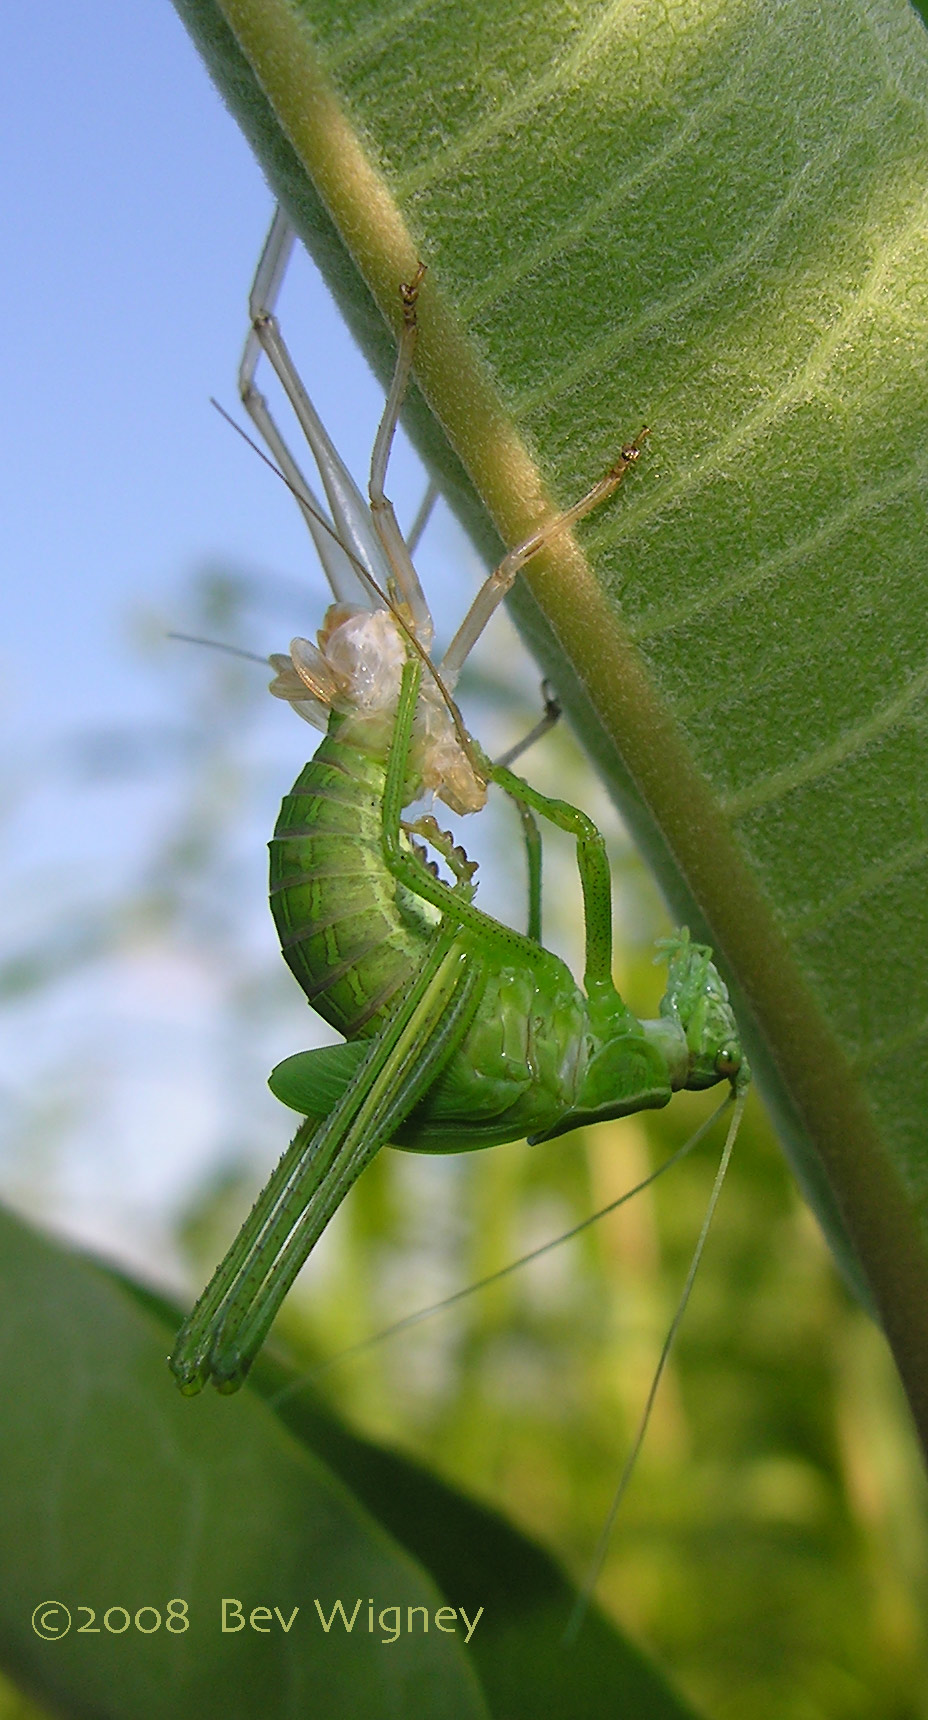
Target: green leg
pixel 531 833
pixel 412 872
pixel 234 1314
pixel 532 836
pixel 595 878
pixel 592 860
pixel 407 867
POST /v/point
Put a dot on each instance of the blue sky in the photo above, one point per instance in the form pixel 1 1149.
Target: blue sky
pixel 132 216
pixel 131 221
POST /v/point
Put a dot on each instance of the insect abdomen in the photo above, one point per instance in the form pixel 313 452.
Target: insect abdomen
pixel 350 934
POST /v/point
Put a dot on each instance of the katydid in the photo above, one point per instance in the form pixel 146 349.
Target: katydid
pixel 459 1032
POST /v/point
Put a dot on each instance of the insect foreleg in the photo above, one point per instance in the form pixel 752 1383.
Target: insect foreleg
pixel 404 863
pixel 503 577
pixel 533 857
pixel 530 831
pixel 595 879
pixel 593 862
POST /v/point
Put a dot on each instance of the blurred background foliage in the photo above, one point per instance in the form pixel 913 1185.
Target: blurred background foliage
pixel 773 1550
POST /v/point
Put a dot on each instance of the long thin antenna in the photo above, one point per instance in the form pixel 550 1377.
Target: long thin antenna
pixel 420 1314
pixel 581 1605
pixel 218 645
pixel 299 496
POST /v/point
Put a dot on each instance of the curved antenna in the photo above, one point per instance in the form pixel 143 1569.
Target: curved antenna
pixel 582 1603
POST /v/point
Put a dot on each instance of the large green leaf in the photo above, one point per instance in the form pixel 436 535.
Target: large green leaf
pixel 520 1652
pixel 712 218
pixel 119 1494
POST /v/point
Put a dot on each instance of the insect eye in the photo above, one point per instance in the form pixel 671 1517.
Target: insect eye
pixel 728 1062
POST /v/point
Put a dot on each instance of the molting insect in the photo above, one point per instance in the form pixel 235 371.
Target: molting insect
pixel 459 1032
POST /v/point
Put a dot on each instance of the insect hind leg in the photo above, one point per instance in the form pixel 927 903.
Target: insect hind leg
pixel 356 564
pixel 272 267
pixel 394 545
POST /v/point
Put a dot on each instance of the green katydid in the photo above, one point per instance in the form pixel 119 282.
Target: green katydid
pixel 459 1032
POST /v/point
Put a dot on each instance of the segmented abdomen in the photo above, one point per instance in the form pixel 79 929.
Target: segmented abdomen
pixel 351 935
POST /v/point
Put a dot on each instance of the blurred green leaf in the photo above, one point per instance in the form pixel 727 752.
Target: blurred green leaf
pixel 471 1552
pixel 118 1493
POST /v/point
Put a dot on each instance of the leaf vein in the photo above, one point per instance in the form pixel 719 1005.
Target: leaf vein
pixel 873 878
pixel 553 244
pixel 779 782
pixel 863 501
pixel 535 94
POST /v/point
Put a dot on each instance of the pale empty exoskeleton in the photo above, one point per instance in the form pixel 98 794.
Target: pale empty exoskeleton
pixel 459 1032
